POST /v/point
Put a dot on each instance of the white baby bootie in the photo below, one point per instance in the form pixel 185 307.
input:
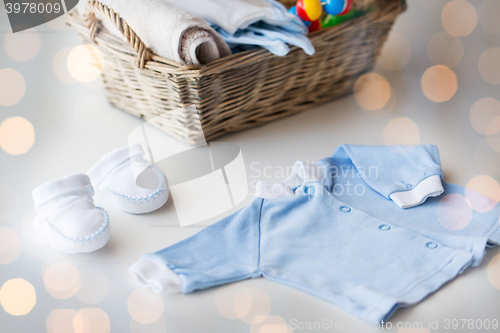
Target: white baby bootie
pixel 67 218
pixel 116 173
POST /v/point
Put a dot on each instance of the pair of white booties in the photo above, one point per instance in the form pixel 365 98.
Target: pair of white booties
pixel 67 218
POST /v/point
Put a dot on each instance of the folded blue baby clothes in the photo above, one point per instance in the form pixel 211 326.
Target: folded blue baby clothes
pixel 339 236
pixel 246 24
pixel 233 15
pixel 274 39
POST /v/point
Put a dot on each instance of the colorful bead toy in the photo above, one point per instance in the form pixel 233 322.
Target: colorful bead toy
pixel 337 7
pixel 309 11
pixel 315 26
pixel 330 20
pixel 293 10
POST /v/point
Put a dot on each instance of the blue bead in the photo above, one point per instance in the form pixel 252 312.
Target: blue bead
pixel 310 189
pixel 334 7
pixel 384 227
pixel 293 10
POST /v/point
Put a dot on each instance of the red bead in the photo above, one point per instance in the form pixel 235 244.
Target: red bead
pixel 348 7
pixel 301 11
pixel 315 26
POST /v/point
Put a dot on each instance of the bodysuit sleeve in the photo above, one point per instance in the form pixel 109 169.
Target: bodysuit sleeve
pixel 407 175
pixel 224 252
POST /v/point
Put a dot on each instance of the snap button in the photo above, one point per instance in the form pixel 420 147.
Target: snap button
pixel 432 245
pixel 345 209
pixel 310 189
pixel 384 227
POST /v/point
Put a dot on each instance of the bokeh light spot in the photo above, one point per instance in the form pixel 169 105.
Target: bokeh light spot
pixel 24 45
pixel 62 280
pixel 61 321
pixel 396 52
pixel 243 303
pixel 10 246
pixel 91 321
pixel 247 304
pixel 159 326
pixel 372 92
pixel 225 300
pixel 439 83
pixel 10 203
pixel 145 306
pixel 60 66
pixel 445 49
pixel 270 324
pixel 17 136
pixel 12 86
pixel 401 131
pixel 459 18
pixel 494 142
pixel 252 305
pixel 94 286
pixel 386 110
pixel 493 126
pixel 454 212
pixel 85 63
pixel 489 65
pixel 482 114
pixel 17 297
pixel 493 271
pixel 483 193
pixel 489 12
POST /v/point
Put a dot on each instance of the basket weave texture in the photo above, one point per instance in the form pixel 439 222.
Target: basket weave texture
pixel 194 103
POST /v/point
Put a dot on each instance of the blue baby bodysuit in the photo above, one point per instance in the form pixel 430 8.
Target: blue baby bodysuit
pixel 370 233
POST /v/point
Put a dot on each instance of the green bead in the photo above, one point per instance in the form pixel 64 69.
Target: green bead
pixel 330 20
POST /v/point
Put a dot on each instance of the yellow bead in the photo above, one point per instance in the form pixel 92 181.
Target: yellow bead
pixel 313 9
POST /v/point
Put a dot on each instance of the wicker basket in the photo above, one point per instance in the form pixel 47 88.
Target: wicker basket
pixel 240 91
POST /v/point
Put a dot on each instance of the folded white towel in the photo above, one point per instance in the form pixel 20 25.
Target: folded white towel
pixel 67 218
pixel 166 30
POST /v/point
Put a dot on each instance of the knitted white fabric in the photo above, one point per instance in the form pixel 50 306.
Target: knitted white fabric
pixel 157 275
pixel 135 185
pixel 67 218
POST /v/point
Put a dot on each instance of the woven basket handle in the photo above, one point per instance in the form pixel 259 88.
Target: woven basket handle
pixel 95 7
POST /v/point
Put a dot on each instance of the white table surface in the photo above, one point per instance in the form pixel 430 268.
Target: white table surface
pixel 75 126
